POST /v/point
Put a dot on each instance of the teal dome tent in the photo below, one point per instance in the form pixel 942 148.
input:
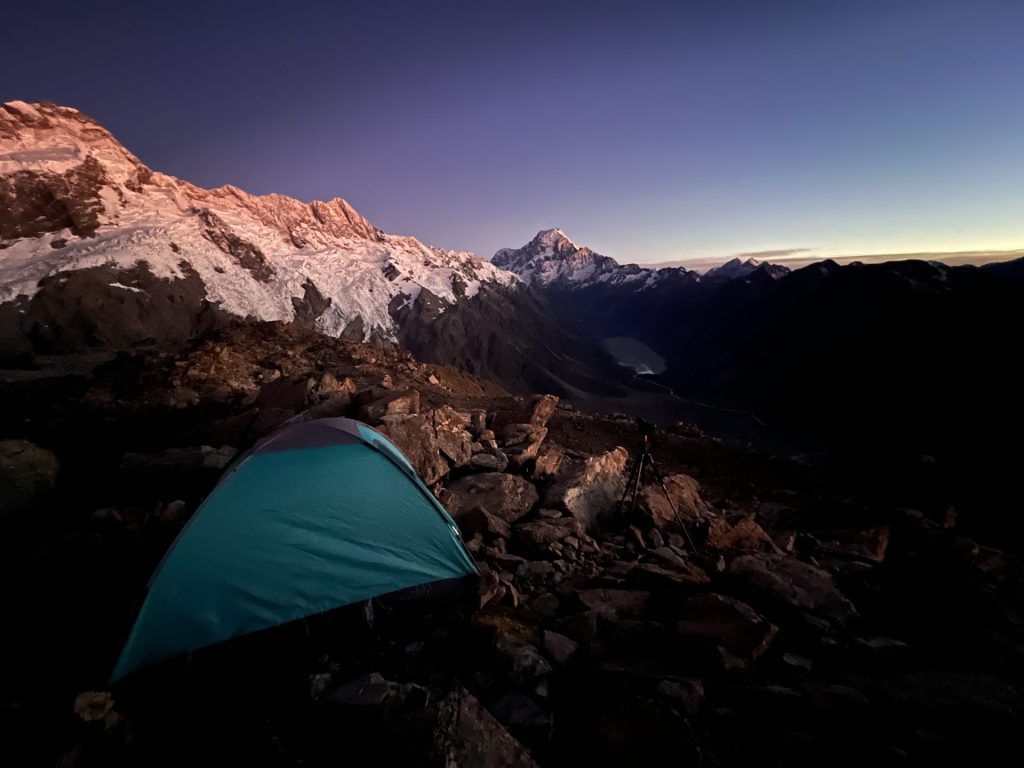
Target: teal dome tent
pixel 319 515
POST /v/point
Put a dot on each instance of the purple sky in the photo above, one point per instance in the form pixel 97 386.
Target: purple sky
pixel 649 131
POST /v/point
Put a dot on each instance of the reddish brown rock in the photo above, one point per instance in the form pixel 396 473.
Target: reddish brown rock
pixel 416 437
pixel 507 496
pixel 594 490
pixel 733 630
pixel 549 461
pixel 479 520
pixel 537 536
pixel 799 585
pixel 401 403
pixel 521 442
pixel 742 535
pixel 683 494
pixel 541 409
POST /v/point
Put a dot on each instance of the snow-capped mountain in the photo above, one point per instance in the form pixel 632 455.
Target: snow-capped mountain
pixel 552 260
pixel 97 251
pixel 73 199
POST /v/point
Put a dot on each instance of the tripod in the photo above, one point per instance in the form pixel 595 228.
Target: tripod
pixel 636 476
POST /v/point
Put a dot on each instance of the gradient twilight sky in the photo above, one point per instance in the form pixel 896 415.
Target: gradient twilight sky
pixel 650 131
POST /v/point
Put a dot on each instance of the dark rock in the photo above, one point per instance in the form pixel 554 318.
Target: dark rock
pixel 203 458
pixel 581 627
pixel 92 706
pixel 613 604
pixel 669 556
pixel 490 462
pixel 537 536
pixel 524 662
pixel 466 734
pixel 799 585
pixel 687 694
pixel 868 544
pixel 654 574
pixel 559 648
pixel 534 570
pixel 374 697
pixel 479 521
pixel 490 588
pixel 28 474
pixel 545 605
pixel 784 540
pixel 734 631
pixel 507 496
pixel 521 715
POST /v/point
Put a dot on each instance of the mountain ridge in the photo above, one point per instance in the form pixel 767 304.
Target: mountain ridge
pixel 76 198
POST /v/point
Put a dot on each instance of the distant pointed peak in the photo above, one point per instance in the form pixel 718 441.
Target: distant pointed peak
pixel 555 236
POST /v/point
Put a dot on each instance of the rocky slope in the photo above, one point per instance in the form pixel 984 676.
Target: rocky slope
pixel 820 618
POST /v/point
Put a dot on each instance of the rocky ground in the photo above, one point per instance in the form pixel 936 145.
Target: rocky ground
pixel 820 617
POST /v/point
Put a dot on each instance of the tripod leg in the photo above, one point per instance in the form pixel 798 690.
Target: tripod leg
pixel 637 481
pixel 632 484
pixel 668 497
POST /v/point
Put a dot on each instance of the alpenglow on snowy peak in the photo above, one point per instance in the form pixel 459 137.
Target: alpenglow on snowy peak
pixel 552 260
pixel 73 200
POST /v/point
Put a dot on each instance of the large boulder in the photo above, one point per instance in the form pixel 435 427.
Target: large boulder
pixel 593 490
pixel 730 632
pixel 27 476
pixel 799 585
pixel 453 438
pixel 683 493
pixel 416 438
pixel 434 441
pixel 542 408
pixel 521 442
pixel 522 439
pixel 468 735
pixel 509 497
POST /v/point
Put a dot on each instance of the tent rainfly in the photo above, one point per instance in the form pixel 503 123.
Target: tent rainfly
pixel 319 515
